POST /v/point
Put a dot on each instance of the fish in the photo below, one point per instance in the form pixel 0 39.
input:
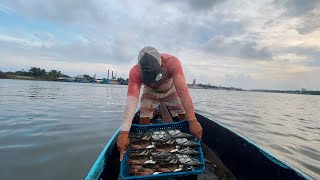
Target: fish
pixel 188 151
pixel 168 160
pixel 140 136
pixel 161 151
pixel 146 169
pixel 138 160
pixel 141 161
pixel 160 136
pixel 175 133
pixel 172 141
pixel 134 168
pixel 186 142
pixel 153 166
pixel 165 168
pixel 139 152
pixel 141 145
pixel 164 145
pixel 192 162
pixel 160 155
pixel 159 133
pixel 142 173
pixel 164 148
pixel 157 169
pixel 187 160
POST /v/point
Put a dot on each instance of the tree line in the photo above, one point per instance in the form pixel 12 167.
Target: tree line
pixel 42 74
pixel 35 72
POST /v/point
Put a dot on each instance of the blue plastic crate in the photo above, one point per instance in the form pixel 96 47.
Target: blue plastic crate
pixel 183 126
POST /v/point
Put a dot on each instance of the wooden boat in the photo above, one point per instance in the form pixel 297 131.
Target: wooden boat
pixel 229 156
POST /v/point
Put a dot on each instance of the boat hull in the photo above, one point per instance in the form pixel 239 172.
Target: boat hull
pixel 237 156
pixel 244 159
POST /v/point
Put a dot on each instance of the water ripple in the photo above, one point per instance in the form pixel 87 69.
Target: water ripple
pixel 59 129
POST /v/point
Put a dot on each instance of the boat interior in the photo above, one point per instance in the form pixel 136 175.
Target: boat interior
pixel 227 155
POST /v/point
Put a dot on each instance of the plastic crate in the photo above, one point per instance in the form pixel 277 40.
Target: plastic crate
pixel 182 126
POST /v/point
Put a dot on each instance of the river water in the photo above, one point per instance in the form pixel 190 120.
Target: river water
pixel 56 130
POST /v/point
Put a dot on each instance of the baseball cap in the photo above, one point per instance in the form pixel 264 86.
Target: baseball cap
pixel 149 60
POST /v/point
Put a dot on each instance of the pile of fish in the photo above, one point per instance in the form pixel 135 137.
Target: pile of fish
pixel 166 151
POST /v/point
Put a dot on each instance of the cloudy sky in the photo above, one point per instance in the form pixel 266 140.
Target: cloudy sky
pixel 273 44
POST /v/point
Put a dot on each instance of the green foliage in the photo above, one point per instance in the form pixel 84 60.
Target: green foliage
pixel 2 75
pixel 54 74
pixel 121 80
pixel 87 77
pixel 37 72
pixel 22 73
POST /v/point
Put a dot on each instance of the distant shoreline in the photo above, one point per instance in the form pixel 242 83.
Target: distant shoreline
pixel 35 73
pixel 190 86
pixel 31 78
pixel 304 92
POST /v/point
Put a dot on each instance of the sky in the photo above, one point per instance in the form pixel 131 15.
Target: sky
pixel 265 44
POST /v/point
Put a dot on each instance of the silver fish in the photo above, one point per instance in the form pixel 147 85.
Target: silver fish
pixel 187 160
pixel 163 168
pixel 160 137
pixel 160 155
pixel 186 142
pixel 138 159
pixel 171 142
pixel 139 152
pixel 140 145
pixel 188 151
pixel 168 160
pixel 140 136
pixel 175 133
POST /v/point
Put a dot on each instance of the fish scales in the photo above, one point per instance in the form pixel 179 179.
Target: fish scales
pixel 161 152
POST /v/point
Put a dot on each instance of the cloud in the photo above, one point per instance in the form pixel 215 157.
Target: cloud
pixel 217 41
pixel 80 50
pixel 11 39
pixel 307 11
pixel 298 7
pixel 309 22
pixel 44 36
pixel 5 10
pixel 231 47
pixel 311 55
pixel 198 5
pixel 60 10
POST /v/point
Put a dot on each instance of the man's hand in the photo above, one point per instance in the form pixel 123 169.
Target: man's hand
pixel 195 128
pixel 123 142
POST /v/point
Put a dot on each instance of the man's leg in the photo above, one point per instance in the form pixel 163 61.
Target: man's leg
pixel 174 105
pixel 148 104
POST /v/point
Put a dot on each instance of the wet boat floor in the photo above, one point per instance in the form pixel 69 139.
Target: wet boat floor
pixel 215 169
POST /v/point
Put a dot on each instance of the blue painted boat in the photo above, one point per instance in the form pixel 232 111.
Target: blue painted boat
pixel 229 156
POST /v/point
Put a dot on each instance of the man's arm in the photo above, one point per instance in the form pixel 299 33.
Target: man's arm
pixel 182 88
pixel 133 93
pixel 134 86
pixel 183 93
